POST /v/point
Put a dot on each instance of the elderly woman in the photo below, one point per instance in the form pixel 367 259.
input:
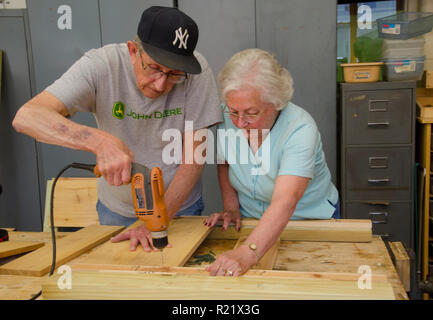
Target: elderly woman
pixel 295 183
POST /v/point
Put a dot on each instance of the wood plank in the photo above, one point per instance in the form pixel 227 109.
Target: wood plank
pixel 35 236
pixel 184 234
pixel 424 92
pixel 19 287
pixel 38 263
pixel 74 203
pixel 335 230
pixel 426 80
pixel 424 109
pixel 429 79
pixel 11 248
pixel 425 137
pixel 402 263
pixel 150 286
pixel 47 223
pixel 268 260
pixel 202 271
pixel 339 257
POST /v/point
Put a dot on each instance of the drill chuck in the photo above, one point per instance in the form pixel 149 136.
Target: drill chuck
pixel 160 239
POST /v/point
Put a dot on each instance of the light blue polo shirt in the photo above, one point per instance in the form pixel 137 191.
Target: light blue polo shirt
pixel 292 147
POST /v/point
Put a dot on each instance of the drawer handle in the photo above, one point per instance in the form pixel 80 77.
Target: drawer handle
pixel 377 124
pixel 377 203
pixel 378 162
pixel 372 105
pixel 385 180
pixel 376 214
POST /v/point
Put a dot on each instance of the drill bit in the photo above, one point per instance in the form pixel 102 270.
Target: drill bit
pixel 162 257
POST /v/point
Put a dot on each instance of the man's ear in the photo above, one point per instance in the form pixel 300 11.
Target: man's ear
pixel 133 50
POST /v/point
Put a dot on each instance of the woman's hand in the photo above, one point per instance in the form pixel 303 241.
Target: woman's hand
pixel 233 263
pixel 227 216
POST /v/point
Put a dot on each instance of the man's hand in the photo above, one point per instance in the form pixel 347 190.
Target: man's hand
pixel 137 235
pixel 227 216
pixel 114 160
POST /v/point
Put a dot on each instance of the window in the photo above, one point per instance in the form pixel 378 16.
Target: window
pixel 352 22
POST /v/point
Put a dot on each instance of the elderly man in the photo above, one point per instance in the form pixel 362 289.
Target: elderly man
pixel 136 91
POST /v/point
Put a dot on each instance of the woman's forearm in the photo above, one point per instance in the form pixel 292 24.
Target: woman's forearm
pixel 228 193
pixel 287 192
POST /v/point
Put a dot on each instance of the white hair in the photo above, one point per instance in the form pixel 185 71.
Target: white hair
pixel 257 69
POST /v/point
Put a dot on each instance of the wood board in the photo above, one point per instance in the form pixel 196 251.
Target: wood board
pixel 74 203
pixel 298 256
pixel 335 230
pixel 178 286
pixel 35 236
pixel 11 248
pixel 38 263
pixel 184 234
pixel 268 260
pixel 402 263
pixel 339 257
pixel 20 287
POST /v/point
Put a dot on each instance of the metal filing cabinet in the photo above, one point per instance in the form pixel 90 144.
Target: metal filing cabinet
pixel 377 156
pixel 20 201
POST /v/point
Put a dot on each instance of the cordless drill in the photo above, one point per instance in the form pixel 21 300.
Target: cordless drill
pixel 155 216
pixel 147 188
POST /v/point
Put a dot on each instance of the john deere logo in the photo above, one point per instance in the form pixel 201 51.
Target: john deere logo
pixel 119 110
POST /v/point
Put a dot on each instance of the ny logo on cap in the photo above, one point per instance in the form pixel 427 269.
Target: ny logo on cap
pixel 182 37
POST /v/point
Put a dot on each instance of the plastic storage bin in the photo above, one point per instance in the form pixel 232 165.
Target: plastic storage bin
pixel 403 69
pixel 362 72
pixel 405 25
pixel 399 49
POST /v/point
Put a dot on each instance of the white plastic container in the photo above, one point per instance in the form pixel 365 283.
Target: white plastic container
pixel 403 69
pixel 405 25
pixel 399 49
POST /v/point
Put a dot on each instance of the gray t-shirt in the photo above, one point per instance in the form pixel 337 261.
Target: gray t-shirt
pixel 103 82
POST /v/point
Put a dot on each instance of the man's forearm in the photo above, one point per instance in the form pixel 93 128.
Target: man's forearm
pixel 48 126
pixel 181 186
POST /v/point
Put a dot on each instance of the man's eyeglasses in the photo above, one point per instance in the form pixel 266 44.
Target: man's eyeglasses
pixel 248 117
pixel 155 74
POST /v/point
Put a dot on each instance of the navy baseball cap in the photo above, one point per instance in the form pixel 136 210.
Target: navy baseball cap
pixel 169 37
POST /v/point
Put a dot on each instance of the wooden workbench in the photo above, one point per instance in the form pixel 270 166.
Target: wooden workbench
pixel 293 256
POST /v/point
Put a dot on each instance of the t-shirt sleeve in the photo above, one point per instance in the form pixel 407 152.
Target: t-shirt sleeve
pixel 202 99
pixel 298 155
pixel 76 88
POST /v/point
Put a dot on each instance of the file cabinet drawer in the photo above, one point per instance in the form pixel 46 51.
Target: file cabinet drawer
pixel 378 173
pixel 389 220
pixel 377 117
